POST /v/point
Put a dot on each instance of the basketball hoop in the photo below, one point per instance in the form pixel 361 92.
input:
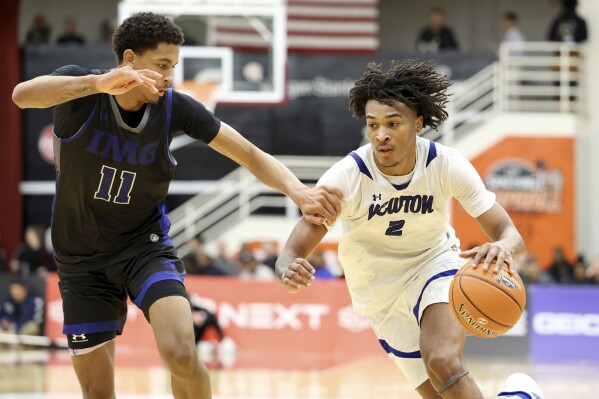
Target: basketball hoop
pixel 203 92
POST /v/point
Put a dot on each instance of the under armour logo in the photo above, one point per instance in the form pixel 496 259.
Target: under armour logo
pixel 79 337
pixel 374 197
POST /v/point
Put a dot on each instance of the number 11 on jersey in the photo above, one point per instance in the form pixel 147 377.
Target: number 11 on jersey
pixel 105 186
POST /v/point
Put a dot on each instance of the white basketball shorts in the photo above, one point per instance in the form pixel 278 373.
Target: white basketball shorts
pixel 398 326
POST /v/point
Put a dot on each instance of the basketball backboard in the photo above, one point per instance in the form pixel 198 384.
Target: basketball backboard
pixel 241 45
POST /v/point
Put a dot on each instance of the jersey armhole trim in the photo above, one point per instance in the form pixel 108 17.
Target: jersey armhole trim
pixel 432 152
pixel 81 129
pixel 361 165
pixel 167 151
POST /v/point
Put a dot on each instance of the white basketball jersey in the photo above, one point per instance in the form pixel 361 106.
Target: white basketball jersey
pixel 389 230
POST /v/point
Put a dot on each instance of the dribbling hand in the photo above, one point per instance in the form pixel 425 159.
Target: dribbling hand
pixel 121 80
pixel 488 252
pixel 298 274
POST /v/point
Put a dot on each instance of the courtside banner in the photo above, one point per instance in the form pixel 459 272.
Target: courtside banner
pixel 316 327
pixel 564 322
pixel 533 178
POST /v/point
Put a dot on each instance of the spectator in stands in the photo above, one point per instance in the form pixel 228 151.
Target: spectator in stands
pixel 198 261
pixel 530 272
pixel 568 26
pixel 318 262
pixel 70 35
pixel 511 30
pixel 579 271
pixel 21 312
pixel 593 271
pixel 106 30
pixel 252 269
pixel 270 254
pixel 31 256
pixel 223 260
pixel 560 269
pixel 436 36
pixel 39 33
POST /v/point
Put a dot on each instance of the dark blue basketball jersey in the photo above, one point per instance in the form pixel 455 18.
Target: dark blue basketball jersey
pixel 112 178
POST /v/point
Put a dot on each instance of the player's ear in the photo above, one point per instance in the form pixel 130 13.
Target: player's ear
pixel 129 57
pixel 419 123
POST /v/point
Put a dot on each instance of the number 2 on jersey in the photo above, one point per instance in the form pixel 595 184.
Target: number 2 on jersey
pixel 105 186
pixel 395 227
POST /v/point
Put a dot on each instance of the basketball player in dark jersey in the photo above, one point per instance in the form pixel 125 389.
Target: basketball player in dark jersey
pixel 109 227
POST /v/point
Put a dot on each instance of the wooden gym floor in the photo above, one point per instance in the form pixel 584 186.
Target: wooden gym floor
pixel 48 375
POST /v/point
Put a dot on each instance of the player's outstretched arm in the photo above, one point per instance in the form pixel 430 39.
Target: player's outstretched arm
pixel 291 267
pixel 318 204
pixel 48 91
pixel 507 242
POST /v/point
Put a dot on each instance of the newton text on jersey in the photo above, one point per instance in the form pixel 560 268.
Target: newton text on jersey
pixel 407 203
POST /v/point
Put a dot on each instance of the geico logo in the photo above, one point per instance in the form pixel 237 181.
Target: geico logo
pixel 272 316
pixel 549 323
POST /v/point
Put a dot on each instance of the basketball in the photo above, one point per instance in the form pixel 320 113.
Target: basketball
pixel 485 303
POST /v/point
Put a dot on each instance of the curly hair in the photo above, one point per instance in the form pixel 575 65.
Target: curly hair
pixel 145 31
pixel 416 84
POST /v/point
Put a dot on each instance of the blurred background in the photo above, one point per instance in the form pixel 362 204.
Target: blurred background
pixel 523 111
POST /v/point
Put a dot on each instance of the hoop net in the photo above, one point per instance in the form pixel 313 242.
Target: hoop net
pixel 203 92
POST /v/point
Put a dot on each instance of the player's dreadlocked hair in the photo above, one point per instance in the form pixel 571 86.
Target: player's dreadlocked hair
pixel 145 31
pixel 416 84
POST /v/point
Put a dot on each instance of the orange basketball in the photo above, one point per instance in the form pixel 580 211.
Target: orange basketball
pixel 485 303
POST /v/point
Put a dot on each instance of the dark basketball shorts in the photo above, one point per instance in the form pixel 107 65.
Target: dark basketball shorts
pixel 95 302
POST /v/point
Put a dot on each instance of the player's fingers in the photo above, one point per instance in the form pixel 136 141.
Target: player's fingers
pixel 131 84
pixel 492 254
pixel 147 80
pixel 499 263
pixel 152 88
pixel 288 279
pixel 326 214
pixel 290 285
pixel 334 196
pixel 295 274
pixel 149 73
pixel 314 219
pixel 478 257
pixel 334 190
pixel 305 276
pixel 334 205
pixel 325 208
pixel 511 265
pixel 127 71
pixel 468 253
pixel 308 269
pixel 150 84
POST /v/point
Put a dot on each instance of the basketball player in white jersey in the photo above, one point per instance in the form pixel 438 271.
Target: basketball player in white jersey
pixel 398 251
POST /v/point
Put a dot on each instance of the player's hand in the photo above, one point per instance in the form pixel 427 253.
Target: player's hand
pixel 489 251
pixel 121 80
pixel 297 274
pixel 320 204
